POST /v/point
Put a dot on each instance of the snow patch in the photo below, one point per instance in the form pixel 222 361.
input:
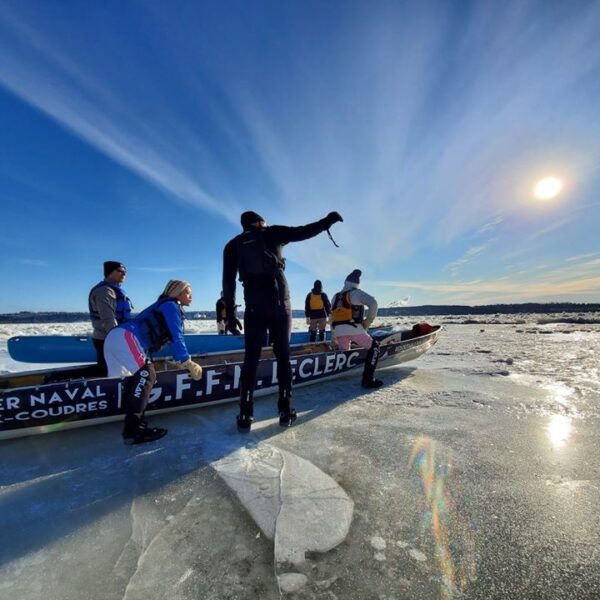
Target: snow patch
pixel 417 555
pixel 292 582
pixel 378 543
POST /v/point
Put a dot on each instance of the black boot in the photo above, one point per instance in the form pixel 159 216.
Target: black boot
pixel 286 419
pixel 245 418
pixel 244 423
pixel 312 336
pixel 368 379
pixel 137 431
pixel 372 383
pixel 287 415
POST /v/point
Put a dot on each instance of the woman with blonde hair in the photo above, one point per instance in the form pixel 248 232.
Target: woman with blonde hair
pixel 128 349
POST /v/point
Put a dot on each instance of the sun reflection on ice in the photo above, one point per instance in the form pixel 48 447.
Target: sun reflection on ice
pixel 561 393
pixel 559 430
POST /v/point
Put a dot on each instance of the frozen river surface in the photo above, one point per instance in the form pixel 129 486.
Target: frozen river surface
pixel 474 473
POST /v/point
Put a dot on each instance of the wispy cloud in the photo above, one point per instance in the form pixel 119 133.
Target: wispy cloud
pixel 165 269
pixel 31 262
pixel 412 121
pixel 502 290
pixel 581 256
pixel 403 183
pixel 574 280
pixel 490 225
pixel 471 253
pixel 34 67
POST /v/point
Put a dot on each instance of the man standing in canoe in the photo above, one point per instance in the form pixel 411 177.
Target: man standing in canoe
pixel 256 254
pixel 109 306
pixel 316 310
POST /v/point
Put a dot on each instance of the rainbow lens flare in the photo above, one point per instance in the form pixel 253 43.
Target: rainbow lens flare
pixel 451 536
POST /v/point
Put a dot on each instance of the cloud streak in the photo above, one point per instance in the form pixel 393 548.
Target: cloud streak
pixel 424 125
pixel 165 269
pixel 571 280
pixel 470 254
pixel 32 262
pixel 34 67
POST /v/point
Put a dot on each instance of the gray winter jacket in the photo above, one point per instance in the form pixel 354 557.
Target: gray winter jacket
pixel 104 302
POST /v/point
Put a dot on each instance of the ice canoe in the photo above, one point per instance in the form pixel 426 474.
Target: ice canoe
pixel 55 399
pixel 80 349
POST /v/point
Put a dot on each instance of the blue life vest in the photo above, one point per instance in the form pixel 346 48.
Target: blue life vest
pixel 153 329
pixel 123 307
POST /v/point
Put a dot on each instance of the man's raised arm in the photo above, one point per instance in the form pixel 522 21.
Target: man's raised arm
pixel 281 234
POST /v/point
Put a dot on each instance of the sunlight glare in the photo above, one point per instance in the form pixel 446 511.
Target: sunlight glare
pixel 559 430
pixel 547 188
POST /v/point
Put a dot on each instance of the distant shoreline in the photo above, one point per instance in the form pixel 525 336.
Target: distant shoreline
pixel 404 311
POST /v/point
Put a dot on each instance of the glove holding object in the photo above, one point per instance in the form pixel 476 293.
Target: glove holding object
pixel 308 320
pixel 333 217
pixel 194 369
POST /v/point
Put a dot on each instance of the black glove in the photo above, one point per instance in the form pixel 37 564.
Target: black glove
pixel 332 217
pixel 232 323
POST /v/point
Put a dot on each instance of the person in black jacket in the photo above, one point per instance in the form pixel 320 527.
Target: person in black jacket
pixel 256 254
pixel 316 310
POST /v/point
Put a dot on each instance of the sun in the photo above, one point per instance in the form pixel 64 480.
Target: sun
pixel 547 188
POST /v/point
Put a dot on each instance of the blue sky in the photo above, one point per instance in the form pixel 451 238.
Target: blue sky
pixel 138 131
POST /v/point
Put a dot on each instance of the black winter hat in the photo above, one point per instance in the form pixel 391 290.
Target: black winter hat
pixel 354 277
pixel 318 285
pixel 248 218
pixel 111 265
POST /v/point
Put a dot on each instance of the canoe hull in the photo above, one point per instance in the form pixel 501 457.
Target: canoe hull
pixel 77 403
pixel 46 349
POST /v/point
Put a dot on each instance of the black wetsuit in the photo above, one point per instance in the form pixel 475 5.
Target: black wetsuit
pixel 268 308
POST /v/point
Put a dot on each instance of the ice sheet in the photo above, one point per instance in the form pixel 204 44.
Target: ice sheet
pixel 473 473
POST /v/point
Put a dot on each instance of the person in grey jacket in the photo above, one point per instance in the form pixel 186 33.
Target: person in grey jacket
pixel 349 324
pixel 109 306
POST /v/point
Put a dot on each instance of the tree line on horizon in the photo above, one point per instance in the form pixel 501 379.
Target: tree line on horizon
pixel 402 311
